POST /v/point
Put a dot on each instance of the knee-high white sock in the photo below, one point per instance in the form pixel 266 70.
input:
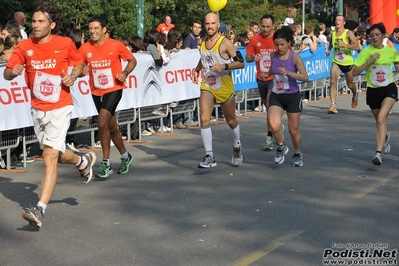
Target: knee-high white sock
pixel 206 134
pixel 235 132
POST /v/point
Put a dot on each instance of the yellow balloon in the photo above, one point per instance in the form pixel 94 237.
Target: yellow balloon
pixel 397 12
pixel 217 5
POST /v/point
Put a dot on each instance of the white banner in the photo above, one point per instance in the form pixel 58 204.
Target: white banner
pixel 147 85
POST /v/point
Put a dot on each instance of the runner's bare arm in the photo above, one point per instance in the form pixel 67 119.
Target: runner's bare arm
pixel 10 74
pixel 194 76
pixel 359 69
pixel 132 62
pixel 352 40
pixel 228 50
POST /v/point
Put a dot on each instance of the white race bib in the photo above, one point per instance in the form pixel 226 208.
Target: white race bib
pixel 213 81
pixel 265 63
pixel 340 55
pixel 380 76
pixel 47 87
pixel 280 84
pixel 103 78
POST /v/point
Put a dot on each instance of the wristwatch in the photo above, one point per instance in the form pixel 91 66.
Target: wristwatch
pixel 126 73
pixel 226 66
pixel 74 76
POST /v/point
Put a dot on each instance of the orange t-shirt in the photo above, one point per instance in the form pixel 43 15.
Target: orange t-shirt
pixel 163 28
pixel 104 62
pixel 44 64
pixel 259 44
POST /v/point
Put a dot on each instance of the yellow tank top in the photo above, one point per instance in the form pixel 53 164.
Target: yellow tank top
pixel 341 56
pixel 215 81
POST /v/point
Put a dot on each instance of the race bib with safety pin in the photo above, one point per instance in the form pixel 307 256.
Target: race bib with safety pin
pixel 265 63
pixel 280 84
pixel 213 81
pixel 380 76
pixel 340 55
pixel 46 87
pixel 103 78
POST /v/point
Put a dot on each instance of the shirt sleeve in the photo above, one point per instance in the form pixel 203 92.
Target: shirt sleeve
pixel 250 47
pixel 16 58
pixel 154 52
pixel 362 57
pixel 124 53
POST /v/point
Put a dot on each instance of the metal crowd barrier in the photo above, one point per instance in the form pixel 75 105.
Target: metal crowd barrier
pixel 10 139
pixel 184 107
pixel 151 113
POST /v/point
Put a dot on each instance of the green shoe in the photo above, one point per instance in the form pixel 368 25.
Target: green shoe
pixel 104 171
pixel 124 168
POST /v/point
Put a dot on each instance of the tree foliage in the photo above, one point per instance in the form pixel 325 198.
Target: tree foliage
pixel 121 14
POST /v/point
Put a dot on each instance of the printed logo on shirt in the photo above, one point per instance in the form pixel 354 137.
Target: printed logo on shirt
pixel 100 63
pixel 29 52
pixel 44 64
pixel 89 55
pixel 57 51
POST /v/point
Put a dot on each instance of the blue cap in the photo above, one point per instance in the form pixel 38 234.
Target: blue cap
pixel 223 28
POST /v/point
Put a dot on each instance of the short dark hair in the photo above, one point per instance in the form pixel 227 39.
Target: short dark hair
pixel 196 22
pixel 379 26
pixel 267 16
pixel 396 30
pixel 99 19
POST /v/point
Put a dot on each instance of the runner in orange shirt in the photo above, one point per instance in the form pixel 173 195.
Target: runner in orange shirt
pixel 46 58
pixel 103 58
pixel 166 26
pixel 259 49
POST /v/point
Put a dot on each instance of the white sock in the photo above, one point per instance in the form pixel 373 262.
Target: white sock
pixel 125 155
pixel 206 134
pixel 41 204
pixel 82 162
pixel 235 132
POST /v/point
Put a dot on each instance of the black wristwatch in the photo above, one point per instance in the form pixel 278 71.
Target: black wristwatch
pixel 226 66
pixel 126 73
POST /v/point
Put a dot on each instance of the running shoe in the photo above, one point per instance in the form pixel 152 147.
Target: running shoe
pixel 377 160
pixel 269 143
pixel 87 172
pixel 281 151
pixel 105 170
pixel 207 162
pixel 236 160
pixel 332 109
pixel 97 145
pixel 72 147
pixel 34 216
pixel 387 147
pixel 297 159
pixel 354 101
pixel 124 167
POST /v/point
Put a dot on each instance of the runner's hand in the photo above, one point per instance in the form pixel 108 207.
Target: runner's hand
pixel 67 79
pixel 121 77
pixel 17 70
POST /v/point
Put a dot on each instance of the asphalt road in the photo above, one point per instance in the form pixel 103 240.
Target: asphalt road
pixel 166 211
